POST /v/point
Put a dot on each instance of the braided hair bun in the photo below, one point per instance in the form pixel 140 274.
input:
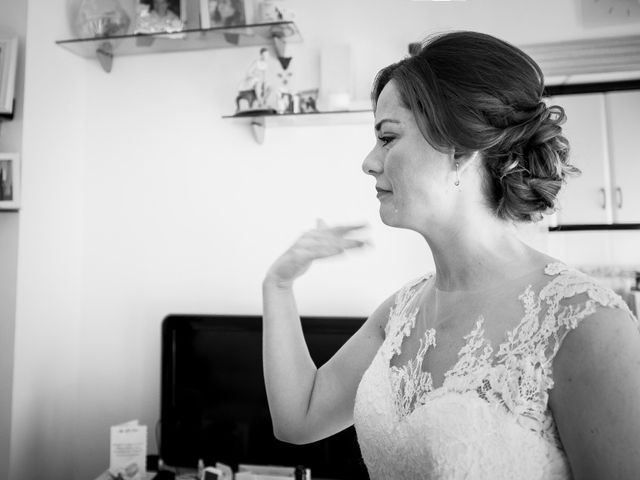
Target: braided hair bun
pixel 527 167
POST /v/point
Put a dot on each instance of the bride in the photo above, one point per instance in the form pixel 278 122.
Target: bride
pixel 504 363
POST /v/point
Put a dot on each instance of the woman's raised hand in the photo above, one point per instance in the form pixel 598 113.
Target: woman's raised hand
pixel 320 242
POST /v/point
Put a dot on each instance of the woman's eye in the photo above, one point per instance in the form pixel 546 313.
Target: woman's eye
pixel 385 140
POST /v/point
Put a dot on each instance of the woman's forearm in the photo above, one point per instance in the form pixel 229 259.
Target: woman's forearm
pixel 289 371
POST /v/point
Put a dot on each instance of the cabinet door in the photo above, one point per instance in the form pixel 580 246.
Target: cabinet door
pixel 585 199
pixel 623 111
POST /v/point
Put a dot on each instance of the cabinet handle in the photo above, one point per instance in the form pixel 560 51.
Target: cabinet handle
pixel 619 196
pixel 603 203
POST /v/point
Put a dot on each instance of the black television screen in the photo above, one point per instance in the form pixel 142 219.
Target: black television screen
pixel 213 400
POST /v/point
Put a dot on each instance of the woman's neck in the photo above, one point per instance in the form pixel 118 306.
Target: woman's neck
pixel 480 252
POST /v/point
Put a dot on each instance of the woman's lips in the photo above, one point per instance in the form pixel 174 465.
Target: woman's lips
pixel 382 192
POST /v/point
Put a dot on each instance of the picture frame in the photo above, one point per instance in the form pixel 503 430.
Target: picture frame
pixel 226 13
pixel 8 67
pixel 160 16
pixel 9 181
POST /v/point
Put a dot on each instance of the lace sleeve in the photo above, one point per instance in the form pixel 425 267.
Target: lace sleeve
pixel 570 298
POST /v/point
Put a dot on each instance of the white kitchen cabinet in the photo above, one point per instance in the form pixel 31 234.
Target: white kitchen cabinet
pixel 583 199
pixel 623 113
pixel 600 128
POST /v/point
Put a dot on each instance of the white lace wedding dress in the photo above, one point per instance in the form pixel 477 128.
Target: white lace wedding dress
pixel 490 418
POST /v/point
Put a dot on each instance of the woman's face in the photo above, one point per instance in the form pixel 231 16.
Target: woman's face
pixel 225 7
pixel 413 180
pixel 161 6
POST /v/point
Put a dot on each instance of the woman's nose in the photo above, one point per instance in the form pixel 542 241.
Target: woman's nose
pixel 372 164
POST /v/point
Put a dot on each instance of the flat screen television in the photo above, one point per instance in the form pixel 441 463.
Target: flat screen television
pixel 213 400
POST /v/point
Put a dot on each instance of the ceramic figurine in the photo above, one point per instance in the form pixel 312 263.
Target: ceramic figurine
pixel 253 91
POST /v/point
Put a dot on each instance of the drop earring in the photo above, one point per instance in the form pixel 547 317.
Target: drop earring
pixel 457 182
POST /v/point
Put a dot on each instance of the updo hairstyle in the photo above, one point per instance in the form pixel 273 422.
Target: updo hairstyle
pixel 473 92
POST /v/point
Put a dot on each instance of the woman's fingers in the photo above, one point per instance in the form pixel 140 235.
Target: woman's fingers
pixel 339 229
pixel 332 237
pixel 313 249
pixel 321 224
pixel 344 229
pixel 321 242
pixel 354 243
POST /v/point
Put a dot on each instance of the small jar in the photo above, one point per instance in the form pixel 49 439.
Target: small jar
pixel 302 473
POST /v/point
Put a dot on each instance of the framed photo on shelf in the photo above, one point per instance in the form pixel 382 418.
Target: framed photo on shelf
pixel 226 13
pixel 8 66
pixel 158 16
pixel 9 181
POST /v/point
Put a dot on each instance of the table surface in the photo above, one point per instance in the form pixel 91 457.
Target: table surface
pixel 105 476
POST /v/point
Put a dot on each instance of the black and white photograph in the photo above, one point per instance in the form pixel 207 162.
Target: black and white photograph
pixel 225 13
pixel 9 181
pixel 157 16
pixel 322 240
pixel 8 65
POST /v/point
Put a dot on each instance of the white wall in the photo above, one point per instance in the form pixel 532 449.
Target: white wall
pixel 13 21
pixel 49 288
pixel 139 201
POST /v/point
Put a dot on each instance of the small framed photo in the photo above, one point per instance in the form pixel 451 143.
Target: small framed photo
pixel 8 66
pixel 9 181
pixel 160 16
pixel 225 13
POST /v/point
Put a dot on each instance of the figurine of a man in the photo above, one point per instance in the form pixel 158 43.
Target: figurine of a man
pixel 253 87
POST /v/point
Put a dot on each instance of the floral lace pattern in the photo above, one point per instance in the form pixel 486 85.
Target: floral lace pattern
pixel 411 382
pixel 512 387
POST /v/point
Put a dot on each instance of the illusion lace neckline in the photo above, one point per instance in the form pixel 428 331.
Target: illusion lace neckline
pixel 411 382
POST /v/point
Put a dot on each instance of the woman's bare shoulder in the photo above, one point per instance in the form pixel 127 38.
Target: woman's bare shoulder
pixel 596 395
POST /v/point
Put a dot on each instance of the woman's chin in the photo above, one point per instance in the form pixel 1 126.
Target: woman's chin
pixel 388 216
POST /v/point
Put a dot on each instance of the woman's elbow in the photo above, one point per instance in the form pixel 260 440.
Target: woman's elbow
pixel 290 435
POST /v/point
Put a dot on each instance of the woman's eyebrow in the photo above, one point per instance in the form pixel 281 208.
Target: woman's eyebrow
pixel 390 120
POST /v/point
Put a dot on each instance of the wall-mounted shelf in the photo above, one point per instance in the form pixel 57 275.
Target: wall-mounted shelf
pixel 106 48
pixel 259 120
pixel 599 226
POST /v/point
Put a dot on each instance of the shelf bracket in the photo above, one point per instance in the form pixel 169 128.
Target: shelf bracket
pixel 282 51
pixel 104 53
pixel 258 129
